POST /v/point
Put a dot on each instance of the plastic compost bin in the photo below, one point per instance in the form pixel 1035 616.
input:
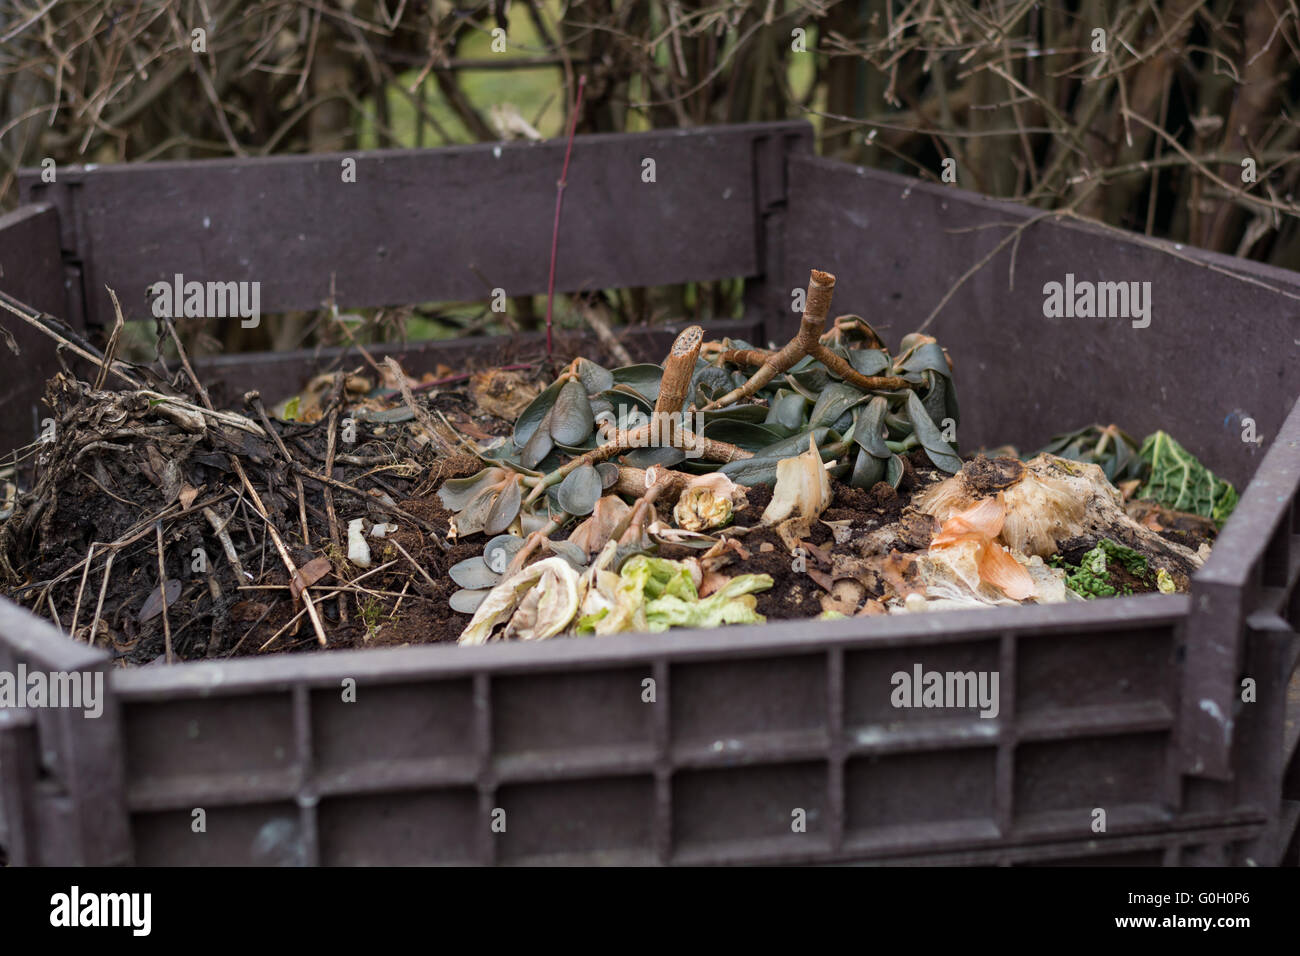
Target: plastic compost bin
pixel 772 743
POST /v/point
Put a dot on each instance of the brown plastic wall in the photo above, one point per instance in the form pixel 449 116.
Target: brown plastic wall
pixel 775 743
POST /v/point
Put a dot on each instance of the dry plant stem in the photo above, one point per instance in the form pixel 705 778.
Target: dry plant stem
pixel 592 315
pixel 114 338
pixel 103 590
pixel 410 560
pixel 332 440
pixel 821 286
pixel 162 590
pixel 85 572
pixel 279 546
pixel 254 399
pixel 420 413
pixel 35 320
pixel 371 499
pixel 185 361
pixel 679 369
pixel 333 593
pixel 225 418
pixel 228 546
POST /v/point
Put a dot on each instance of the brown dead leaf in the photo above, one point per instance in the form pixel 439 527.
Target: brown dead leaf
pixel 309 574
pixel 822 554
pixel 723 553
pixel 187 496
pixel 792 531
pixel 824 580
pixel 504 394
pixel 593 534
pixel 153 604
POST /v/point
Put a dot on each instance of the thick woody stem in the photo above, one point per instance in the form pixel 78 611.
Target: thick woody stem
pixel 633 482
pixel 839 367
pixel 821 286
pixel 679 369
pixel 808 341
pixel 643 436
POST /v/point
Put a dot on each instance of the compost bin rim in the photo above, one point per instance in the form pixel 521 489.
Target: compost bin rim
pixel 775 638
pixel 1263 505
pixel 701 133
pixel 1240 268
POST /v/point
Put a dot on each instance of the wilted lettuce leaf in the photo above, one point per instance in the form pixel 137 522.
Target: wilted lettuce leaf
pixel 654 594
pixel 733 603
pixel 1180 482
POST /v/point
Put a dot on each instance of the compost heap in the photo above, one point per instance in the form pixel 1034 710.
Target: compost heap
pixel 728 485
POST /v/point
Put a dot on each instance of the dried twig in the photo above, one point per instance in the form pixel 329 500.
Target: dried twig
pixel 254 400
pixel 162 590
pixel 279 546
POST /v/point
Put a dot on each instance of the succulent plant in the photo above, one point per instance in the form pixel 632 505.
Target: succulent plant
pixel 837 398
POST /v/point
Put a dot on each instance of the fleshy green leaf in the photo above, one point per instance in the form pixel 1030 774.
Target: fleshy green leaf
pixel 533 416
pixel 938 450
pixel 456 493
pixel 833 402
pixel 505 508
pixel 538 447
pixel 580 490
pixel 595 379
pixel 869 427
pixel 867 470
pixel 787 410
pixel 473 573
pixel 467 601
pixel 746 435
pixel 655 455
pixel 927 357
pixel 571 420
pixel 869 362
pixel 644 379
pixel 894 470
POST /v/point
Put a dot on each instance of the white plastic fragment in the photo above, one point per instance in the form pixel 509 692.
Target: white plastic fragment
pixel 358 550
pixel 382 530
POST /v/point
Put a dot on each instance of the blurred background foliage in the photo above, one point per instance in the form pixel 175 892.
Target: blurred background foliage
pixel 1137 114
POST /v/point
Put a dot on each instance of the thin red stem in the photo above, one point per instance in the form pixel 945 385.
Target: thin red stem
pixel 559 202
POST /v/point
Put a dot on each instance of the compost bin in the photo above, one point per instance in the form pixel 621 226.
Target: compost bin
pixel 708 746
